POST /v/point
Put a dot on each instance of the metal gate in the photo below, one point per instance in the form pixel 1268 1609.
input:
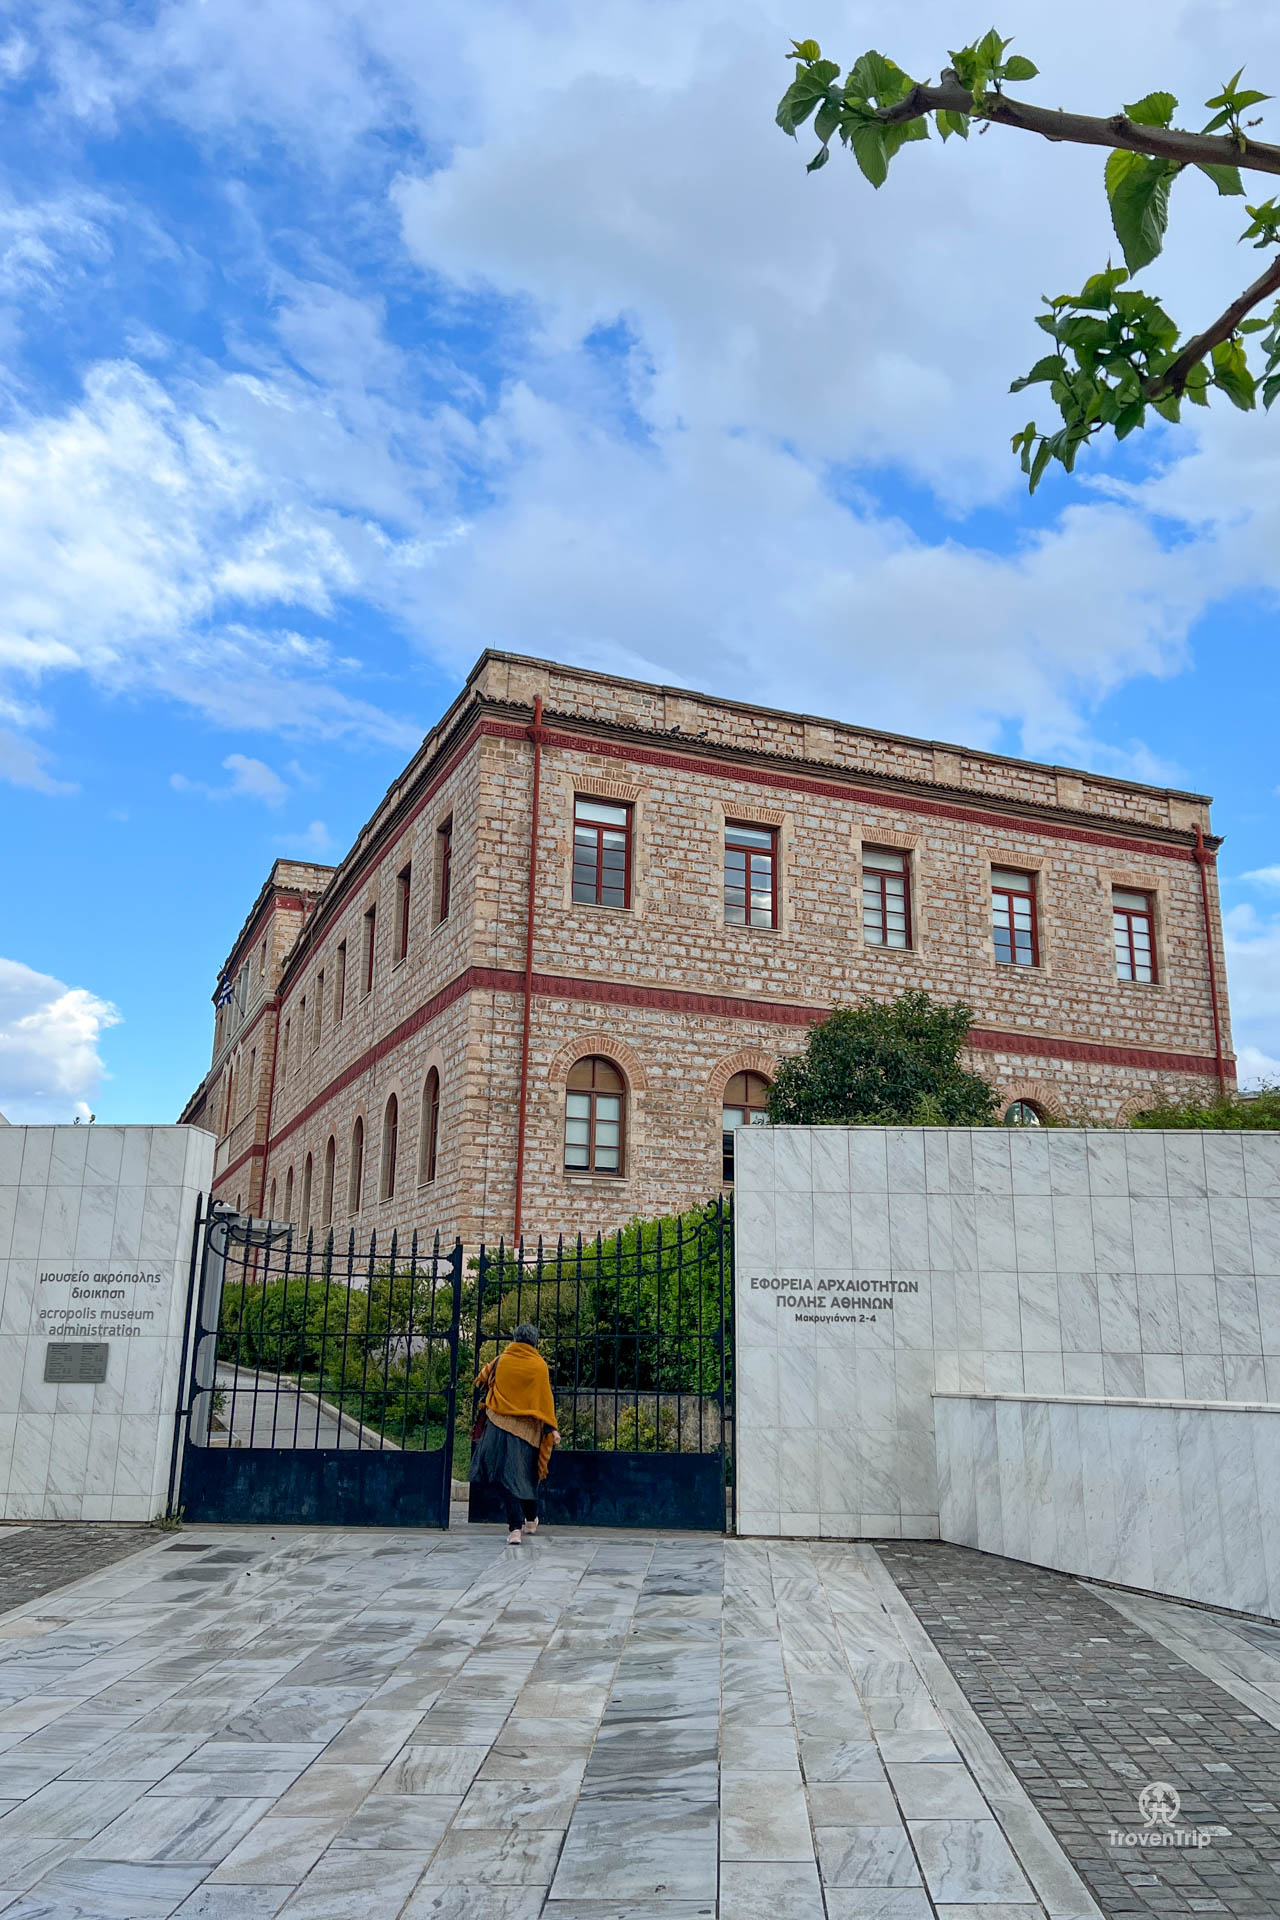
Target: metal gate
pixel 322 1381
pixel 322 1386
pixel 636 1331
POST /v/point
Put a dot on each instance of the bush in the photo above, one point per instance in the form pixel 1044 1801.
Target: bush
pixel 1259 1113
pixel 888 1066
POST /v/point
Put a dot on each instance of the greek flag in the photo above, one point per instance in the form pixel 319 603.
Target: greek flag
pixel 225 991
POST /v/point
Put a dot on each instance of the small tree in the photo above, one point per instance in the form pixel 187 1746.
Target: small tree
pixel 877 1065
pixel 1260 1113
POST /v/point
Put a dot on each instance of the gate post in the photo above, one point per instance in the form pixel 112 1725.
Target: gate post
pixel 451 1418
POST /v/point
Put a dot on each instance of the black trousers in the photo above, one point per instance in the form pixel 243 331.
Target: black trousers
pixel 518 1510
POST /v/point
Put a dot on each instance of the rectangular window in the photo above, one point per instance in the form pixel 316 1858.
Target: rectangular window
pixel 318 1020
pixel 340 981
pixel 262 962
pixel 444 869
pixel 1133 920
pixel 1013 917
pixel 750 876
pixel 601 853
pixel 284 1054
pixel 886 897
pixel 404 881
pixel 370 927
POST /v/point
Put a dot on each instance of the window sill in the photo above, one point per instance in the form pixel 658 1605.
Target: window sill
pixel 573 1178
pixel 597 906
pixel 894 953
pixel 734 926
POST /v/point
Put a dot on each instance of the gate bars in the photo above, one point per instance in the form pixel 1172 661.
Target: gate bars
pixel 635 1330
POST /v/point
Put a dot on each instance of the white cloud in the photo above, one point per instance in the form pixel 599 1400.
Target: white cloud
pixel 706 509
pixel 49 1036
pixel 315 844
pixel 143 538
pixel 23 765
pixel 1263 876
pixel 1253 965
pixel 250 779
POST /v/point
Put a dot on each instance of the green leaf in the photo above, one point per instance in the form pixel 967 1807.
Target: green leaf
pixel 1225 179
pixel 1249 98
pixel 1019 68
pixel 990 50
pixel 869 150
pixel 819 159
pixel 1153 110
pixel 1231 373
pixel 1271 391
pixel 1044 453
pixel 949 123
pixel 1138 190
pixel 828 119
pixel 877 78
pixel 796 104
pixel 805 50
pixel 1168 406
pixel 1097 289
pixel 1051 367
pixel 1196 385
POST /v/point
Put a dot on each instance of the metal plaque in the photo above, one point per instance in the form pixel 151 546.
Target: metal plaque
pixel 76 1363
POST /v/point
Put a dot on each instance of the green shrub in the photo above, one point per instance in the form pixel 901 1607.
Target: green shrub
pixel 894 1065
pixel 1259 1113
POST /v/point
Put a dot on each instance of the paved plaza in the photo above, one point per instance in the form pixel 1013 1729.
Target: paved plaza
pixel 239 1722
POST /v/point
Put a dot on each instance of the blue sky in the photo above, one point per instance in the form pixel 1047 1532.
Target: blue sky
pixel 338 341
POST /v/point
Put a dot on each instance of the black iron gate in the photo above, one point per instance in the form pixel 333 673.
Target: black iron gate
pixel 322 1386
pixel 322 1380
pixel 636 1331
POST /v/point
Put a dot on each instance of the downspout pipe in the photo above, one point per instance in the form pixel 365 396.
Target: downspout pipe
pixel 536 735
pixel 1204 859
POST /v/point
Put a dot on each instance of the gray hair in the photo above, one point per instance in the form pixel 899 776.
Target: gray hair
pixel 527 1333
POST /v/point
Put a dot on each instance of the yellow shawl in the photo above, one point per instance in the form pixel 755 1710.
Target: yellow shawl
pixel 519 1387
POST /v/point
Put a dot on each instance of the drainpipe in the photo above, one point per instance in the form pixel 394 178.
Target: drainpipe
pixel 535 734
pixel 1204 859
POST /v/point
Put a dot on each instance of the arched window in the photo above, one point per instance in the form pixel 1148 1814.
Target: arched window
pixel 288 1195
pixel 429 1132
pixel 746 1101
pixel 330 1161
pixel 390 1143
pixel 306 1194
pixel 594 1117
pixel 1023 1113
pixel 356 1181
pixel 271 1204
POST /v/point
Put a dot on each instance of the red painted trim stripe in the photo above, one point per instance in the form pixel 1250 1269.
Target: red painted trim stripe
pixel 254 1153
pixel 555 986
pixel 870 797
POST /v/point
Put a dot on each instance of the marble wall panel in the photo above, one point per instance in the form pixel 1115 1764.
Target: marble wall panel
pixel 1094 1264
pixel 95 1231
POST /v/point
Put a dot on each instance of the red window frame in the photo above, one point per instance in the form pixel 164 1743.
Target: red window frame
pixel 876 878
pixel 370 929
pixel 340 983
pixel 444 840
pixel 404 889
pixel 317 1015
pixel 1009 895
pixel 592 834
pixel 1128 915
pixel 355 1180
pixel 754 1091
pixel 582 1084
pixel 740 858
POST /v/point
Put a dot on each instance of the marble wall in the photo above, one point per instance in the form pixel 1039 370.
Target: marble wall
pixel 1174 1496
pixel 95 1249
pixel 1131 1265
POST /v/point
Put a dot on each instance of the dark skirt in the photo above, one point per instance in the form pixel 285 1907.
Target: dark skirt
pixel 503 1459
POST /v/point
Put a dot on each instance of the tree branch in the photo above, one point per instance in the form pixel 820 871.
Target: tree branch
pixel 1082 129
pixel 1174 378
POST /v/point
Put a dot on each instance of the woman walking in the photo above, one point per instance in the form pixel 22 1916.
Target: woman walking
pixel 513 1451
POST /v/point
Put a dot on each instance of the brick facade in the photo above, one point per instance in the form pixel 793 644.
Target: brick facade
pixel 676 998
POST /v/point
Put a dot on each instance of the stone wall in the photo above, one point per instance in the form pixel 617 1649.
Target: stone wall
pixel 96 1226
pixel 877 1266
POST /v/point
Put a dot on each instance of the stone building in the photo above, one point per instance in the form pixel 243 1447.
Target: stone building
pixel 430 1035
